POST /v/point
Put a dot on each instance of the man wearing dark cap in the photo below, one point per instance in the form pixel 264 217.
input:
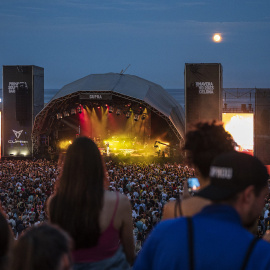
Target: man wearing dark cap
pixel 216 238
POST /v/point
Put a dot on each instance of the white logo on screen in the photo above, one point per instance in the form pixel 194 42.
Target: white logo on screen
pixel 13 85
pixel 17 133
pixel 205 87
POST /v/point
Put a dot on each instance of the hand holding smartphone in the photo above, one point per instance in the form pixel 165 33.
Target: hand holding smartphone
pixel 193 184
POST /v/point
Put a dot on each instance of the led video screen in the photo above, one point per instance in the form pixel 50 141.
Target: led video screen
pixel 241 127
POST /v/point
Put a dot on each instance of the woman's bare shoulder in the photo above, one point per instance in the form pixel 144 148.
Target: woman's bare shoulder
pixel 194 205
pixel 170 204
pixel 169 210
pixel 196 199
pixel 124 202
pixel 123 210
pixel 189 207
pixel 111 196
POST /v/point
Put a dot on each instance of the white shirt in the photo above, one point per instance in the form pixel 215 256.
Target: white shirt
pixel 266 213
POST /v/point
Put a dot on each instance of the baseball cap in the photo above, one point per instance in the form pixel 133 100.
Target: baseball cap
pixel 231 173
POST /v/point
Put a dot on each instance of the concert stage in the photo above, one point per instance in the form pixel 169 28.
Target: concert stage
pixel 125 115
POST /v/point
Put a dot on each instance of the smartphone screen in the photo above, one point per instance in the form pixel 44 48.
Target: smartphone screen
pixel 193 184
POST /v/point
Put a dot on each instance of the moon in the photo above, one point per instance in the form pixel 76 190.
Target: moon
pixel 217 37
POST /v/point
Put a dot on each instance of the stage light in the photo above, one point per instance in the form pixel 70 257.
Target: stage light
pixel 79 109
pixel 128 114
pixel 63 144
pixel 73 111
pixel 111 109
pixel 143 116
pixel 66 113
pixel 118 111
pixel 25 153
pixel 136 117
pixel 59 116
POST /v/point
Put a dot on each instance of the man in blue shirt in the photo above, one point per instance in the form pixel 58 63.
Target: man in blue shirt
pixel 216 238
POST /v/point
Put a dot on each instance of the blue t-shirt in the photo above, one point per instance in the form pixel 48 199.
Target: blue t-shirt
pixel 220 242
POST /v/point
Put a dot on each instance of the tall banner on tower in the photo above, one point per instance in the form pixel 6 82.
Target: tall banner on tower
pixel 203 92
pixel 23 98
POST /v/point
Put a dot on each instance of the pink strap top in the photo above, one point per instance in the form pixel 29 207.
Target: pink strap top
pixel 108 244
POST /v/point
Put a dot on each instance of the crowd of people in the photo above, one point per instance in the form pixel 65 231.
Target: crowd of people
pixel 25 187
pixel 103 214
pixel 27 184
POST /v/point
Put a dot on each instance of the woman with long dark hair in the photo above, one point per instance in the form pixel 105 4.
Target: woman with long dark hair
pixel 98 220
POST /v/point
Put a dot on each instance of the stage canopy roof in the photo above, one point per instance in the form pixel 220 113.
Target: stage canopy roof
pixel 126 85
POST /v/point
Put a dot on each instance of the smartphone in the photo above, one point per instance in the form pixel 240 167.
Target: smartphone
pixel 193 184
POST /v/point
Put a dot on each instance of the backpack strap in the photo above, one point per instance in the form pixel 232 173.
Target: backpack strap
pixel 190 243
pixel 191 246
pixel 177 205
pixel 249 251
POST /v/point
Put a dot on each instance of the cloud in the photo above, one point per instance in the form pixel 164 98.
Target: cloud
pixel 73 24
pixel 120 5
pixel 189 4
pixel 83 16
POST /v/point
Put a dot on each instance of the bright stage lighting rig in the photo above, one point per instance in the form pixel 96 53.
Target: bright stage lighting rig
pixel 59 116
pixel 66 113
pixel 143 116
pixel 136 117
pixel 79 109
pixel 128 114
pixel 111 109
pixel 73 111
pixel 118 111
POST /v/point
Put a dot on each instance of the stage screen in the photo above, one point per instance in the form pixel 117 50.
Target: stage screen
pixel 241 127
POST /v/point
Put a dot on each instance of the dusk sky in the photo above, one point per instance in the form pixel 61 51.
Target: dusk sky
pixel 72 39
